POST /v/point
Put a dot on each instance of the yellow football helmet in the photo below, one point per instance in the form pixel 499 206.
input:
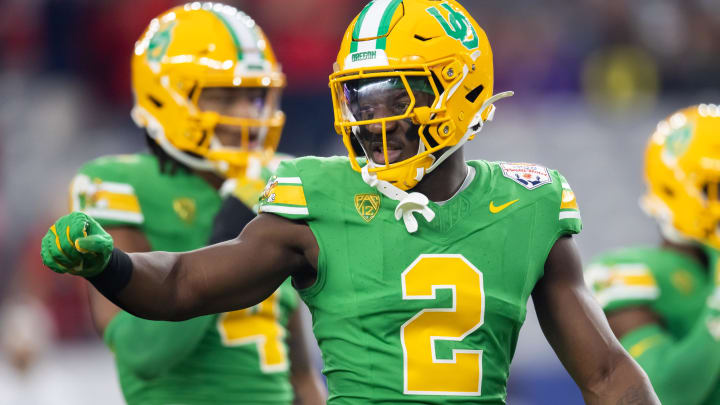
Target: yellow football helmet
pixel 431 50
pixel 682 172
pixel 184 52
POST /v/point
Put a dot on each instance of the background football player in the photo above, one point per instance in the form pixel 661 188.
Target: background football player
pixel 418 269
pixel 207 88
pixel 663 302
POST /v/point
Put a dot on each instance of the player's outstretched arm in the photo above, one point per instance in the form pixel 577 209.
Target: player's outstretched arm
pixel 579 333
pixel 177 286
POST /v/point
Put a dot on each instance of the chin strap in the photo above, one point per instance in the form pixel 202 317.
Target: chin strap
pixel 409 204
pixel 415 202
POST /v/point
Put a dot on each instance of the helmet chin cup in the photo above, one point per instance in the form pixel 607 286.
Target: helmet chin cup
pixel 404 177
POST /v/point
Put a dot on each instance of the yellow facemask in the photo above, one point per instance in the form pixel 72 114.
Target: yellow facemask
pixel 437 58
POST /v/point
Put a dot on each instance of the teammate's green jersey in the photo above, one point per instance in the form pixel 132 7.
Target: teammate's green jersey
pixel 430 317
pixel 673 285
pixel 235 357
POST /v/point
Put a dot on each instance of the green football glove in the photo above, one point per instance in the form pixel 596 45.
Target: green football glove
pixel 76 244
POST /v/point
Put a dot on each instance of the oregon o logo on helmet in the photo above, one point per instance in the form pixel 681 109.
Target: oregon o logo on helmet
pixel 457 26
pixel 159 44
pixel 678 141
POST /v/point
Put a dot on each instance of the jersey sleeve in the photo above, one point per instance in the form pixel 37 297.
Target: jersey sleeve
pixel 618 285
pixel 104 195
pixel 569 212
pixel 284 194
pixel 149 348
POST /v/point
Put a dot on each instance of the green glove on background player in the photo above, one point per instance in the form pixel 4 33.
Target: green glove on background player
pixel 76 244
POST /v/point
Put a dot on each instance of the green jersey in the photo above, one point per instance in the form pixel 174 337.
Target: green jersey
pixel 235 357
pixel 430 317
pixel 674 285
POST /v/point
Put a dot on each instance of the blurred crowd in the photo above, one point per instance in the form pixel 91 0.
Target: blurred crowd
pixel 64 80
pixel 538 46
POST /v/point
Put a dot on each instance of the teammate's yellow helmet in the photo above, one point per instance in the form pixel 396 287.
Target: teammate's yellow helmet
pixel 416 46
pixel 181 54
pixel 682 172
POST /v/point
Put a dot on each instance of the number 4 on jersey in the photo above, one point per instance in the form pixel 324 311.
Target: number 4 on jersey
pixel 258 326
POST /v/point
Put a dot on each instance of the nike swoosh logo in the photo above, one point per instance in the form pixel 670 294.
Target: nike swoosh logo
pixel 497 209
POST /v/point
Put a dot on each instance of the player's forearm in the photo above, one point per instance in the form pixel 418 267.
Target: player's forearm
pixel 623 382
pixel 146 285
pixel 309 387
pixel 180 286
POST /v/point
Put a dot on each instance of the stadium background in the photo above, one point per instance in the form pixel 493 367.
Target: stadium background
pixel 591 77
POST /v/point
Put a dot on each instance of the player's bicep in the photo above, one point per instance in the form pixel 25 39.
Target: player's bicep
pixel 244 271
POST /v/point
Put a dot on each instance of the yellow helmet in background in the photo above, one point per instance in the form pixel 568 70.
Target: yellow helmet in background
pixel 682 172
pixel 428 46
pixel 194 47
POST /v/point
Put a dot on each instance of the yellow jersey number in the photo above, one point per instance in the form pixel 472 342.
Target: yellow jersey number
pixel 424 374
pixel 259 326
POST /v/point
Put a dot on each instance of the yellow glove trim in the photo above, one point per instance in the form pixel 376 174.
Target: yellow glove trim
pixel 77 246
pixel 57 243
pixel 57 240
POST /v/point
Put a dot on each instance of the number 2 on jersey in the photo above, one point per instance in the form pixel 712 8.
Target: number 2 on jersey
pixel 424 373
pixel 257 325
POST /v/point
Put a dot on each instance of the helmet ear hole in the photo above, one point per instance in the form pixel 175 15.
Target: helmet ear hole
pixel 474 93
pixel 192 91
pixel 155 101
pixel 668 192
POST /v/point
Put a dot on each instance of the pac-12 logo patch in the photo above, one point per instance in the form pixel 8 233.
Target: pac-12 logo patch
pixel 527 175
pixel 185 209
pixel 367 205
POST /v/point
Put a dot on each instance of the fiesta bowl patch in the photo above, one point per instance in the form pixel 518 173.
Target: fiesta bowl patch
pixel 527 175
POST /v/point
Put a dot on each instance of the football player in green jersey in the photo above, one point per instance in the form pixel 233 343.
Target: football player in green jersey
pixel 203 122
pixel 663 302
pixel 415 263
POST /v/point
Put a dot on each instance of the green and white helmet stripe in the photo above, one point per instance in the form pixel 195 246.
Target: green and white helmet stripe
pixel 245 36
pixel 373 22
